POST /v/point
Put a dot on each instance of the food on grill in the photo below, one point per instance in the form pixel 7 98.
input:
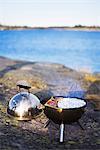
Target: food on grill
pixel 54 101
pixel 66 103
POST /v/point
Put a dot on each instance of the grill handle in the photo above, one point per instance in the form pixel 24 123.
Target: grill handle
pixel 23 85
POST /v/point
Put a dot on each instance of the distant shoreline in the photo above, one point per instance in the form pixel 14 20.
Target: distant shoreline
pixel 75 28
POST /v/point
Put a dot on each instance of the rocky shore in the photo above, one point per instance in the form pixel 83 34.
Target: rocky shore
pixel 46 80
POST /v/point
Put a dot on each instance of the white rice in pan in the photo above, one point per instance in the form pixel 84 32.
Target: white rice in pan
pixel 66 103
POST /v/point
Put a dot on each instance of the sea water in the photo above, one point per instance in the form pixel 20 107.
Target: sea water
pixel 78 50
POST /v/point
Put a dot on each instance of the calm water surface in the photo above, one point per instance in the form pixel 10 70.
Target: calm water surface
pixel 79 50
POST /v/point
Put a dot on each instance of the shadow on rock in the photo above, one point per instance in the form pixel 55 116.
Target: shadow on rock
pixel 94 88
pixel 44 95
pixel 3 95
pixel 13 67
pixel 93 94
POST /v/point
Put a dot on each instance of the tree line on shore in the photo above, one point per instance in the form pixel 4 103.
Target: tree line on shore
pixel 8 27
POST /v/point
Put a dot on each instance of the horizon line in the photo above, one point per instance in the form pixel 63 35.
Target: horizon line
pixel 53 26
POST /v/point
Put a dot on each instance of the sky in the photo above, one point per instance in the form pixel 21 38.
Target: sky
pixel 50 12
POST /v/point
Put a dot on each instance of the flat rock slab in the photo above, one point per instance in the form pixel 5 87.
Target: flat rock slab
pixel 46 80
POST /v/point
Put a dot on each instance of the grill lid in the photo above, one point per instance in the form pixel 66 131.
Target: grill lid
pixel 24 105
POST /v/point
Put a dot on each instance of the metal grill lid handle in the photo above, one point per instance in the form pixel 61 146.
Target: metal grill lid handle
pixel 23 84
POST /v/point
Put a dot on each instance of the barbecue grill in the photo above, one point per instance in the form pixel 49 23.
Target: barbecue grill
pixel 62 116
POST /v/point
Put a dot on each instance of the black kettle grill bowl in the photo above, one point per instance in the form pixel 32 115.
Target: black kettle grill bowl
pixel 66 116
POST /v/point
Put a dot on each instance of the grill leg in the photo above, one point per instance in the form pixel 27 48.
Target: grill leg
pixel 47 123
pixel 61 132
pixel 80 125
